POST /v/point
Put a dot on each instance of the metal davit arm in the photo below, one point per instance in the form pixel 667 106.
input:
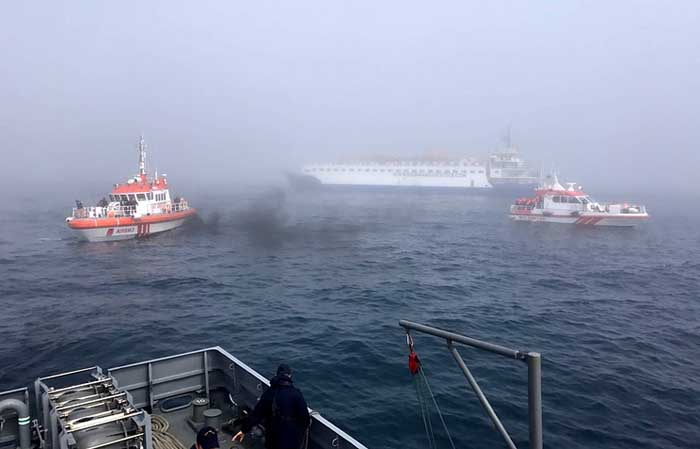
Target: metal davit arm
pixel 447 335
pixel 533 360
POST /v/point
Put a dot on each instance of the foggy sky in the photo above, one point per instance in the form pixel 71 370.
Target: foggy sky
pixel 227 92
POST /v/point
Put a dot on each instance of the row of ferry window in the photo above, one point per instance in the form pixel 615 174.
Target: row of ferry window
pixel 398 172
pixel 424 163
pixel 138 196
pixel 569 199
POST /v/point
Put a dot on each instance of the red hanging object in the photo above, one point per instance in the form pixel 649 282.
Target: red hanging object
pixel 413 363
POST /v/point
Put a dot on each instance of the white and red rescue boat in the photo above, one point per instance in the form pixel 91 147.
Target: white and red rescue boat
pixel 554 203
pixel 139 208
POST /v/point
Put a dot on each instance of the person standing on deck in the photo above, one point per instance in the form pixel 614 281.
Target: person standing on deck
pixel 284 412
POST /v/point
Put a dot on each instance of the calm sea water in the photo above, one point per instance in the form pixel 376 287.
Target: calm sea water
pixel 321 280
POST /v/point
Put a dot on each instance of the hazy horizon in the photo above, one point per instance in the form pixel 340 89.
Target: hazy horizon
pixel 228 94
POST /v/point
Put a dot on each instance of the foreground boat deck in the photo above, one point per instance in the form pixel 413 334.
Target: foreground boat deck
pixel 134 406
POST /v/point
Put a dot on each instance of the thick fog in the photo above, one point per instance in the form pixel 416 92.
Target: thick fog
pixel 607 93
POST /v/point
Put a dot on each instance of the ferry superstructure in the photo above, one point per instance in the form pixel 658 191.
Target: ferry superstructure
pixel 138 208
pixel 507 168
pixel 463 173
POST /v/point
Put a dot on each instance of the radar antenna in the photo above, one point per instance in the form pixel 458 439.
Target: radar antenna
pixel 508 140
pixel 142 157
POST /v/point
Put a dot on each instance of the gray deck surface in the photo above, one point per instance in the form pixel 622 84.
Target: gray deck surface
pixel 181 429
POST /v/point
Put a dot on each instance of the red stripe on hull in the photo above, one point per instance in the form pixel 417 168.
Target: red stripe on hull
pixel 588 221
pixel 143 230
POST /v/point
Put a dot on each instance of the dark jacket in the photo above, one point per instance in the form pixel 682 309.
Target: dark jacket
pixel 283 411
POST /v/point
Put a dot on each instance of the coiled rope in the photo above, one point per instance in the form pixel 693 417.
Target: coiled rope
pixel 162 439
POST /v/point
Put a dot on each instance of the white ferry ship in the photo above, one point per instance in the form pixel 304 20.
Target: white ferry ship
pixel 463 173
pixel 504 169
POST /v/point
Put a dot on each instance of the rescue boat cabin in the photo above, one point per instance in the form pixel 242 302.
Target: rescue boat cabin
pixel 564 200
pixel 555 198
pixel 138 197
pixel 146 197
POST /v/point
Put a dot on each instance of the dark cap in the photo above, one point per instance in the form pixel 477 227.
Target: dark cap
pixel 207 438
pixel 284 370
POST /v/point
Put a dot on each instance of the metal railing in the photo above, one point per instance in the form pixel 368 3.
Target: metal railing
pixel 104 212
pixel 617 208
pixel 534 377
pixel 179 206
pixel 630 209
pixel 608 208
pixel 116 211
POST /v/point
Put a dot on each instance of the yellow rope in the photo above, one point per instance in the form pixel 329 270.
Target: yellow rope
pixel 162 439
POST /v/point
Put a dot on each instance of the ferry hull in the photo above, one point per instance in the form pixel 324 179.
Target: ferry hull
pixel 305 182
pixel 513 189
pixel 499 187
pixel 584 220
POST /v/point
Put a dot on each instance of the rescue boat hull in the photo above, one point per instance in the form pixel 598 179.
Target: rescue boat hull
pixel 115 229
pixel 616 220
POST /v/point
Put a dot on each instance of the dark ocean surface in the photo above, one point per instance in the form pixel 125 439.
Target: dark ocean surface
pixel 320 280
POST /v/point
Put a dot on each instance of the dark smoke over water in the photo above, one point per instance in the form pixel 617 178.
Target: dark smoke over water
pixel 263 212
pixel 266 218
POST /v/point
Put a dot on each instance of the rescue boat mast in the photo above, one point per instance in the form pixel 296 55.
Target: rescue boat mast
pixel 142 157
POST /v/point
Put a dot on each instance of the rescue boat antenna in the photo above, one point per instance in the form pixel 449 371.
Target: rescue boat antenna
pixel 142 157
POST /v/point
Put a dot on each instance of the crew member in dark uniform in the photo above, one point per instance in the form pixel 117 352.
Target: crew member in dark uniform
pixel 283 410
pixel 207 438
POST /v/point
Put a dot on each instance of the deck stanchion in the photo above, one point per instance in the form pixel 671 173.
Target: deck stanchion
pixel 534 398
pixel 480 395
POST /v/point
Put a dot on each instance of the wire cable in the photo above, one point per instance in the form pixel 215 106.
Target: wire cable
pixel 439 412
